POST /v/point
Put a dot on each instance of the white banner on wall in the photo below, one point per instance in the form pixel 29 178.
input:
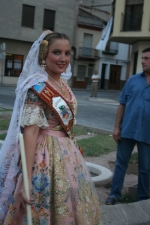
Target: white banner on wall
pixel 105 36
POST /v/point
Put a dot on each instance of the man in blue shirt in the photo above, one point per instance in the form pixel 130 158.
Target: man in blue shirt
pixel 133 127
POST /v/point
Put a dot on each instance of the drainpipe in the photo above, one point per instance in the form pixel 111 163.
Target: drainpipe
pixel 128 65
pixel 2 57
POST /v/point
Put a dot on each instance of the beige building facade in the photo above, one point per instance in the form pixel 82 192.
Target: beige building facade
pixel 86 57
pixel 112 63
pixel 90 24
pixel 132 26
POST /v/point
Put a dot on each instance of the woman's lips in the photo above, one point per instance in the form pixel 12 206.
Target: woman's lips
pixel 61 66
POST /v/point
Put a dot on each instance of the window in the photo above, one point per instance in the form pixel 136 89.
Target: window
pixel 13 65
pixel 81 73
pixel 49 19
pixel 28 16
pixel 87 44
pixel 133 15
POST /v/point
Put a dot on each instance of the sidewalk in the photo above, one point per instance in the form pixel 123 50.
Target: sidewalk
pixel 136 213
pixel 130 181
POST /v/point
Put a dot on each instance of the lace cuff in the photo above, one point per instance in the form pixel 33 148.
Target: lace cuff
pixel 33 114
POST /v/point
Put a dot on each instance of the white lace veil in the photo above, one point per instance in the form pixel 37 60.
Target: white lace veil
pixel 32 73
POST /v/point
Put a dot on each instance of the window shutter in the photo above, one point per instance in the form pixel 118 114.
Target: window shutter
pixel 28 16
pixel 49 19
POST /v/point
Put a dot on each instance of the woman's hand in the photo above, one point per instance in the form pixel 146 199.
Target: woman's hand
pixel 20 196
pixel 23 198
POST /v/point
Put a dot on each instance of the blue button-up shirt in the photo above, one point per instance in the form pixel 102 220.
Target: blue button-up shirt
pixel 136 120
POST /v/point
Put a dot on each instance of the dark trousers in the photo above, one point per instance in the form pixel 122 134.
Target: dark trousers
pixel 124 150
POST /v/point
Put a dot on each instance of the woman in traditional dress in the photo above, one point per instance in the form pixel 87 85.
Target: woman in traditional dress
pixel 61 191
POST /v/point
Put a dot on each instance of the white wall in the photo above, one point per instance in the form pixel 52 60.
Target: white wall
pixel 138 47
pixel 107 71
pixel 119 59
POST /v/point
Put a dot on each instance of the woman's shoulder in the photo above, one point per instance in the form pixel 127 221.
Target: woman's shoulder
pixel 32 98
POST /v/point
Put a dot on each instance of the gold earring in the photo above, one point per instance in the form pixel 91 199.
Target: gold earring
pixel 43 65
pixel 42 53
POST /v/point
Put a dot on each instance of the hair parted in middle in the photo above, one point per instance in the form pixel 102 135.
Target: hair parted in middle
pixel 47 41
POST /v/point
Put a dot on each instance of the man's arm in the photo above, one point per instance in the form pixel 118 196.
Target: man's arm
pixel 119 117
pixel 94 78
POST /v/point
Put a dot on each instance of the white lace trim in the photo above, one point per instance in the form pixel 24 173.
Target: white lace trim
pixel 33 114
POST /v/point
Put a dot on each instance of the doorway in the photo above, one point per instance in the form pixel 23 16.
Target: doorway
pixel 135 62
pixel 102 85
pixel 114 77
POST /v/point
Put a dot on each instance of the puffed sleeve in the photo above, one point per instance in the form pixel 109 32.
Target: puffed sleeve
pixel 33 112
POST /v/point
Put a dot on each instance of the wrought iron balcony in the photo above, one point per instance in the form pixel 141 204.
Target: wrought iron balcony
pixel 88 53
pixel 110 52
pixel 132 21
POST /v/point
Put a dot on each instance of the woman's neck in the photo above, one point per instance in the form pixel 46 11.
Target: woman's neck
pixel 54 76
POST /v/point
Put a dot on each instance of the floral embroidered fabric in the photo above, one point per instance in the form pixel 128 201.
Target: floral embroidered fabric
pixel 33 113
pixel 62 191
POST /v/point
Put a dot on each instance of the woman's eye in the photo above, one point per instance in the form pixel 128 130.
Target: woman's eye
pixel 56 52
pixel 68 53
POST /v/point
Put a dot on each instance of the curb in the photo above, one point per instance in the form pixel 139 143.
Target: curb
pixel 126 214
pixel 95 129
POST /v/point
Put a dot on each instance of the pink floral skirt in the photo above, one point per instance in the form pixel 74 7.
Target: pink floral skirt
pixel 62 191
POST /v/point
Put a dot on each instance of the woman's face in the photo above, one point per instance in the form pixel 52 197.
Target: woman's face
pixel 58 57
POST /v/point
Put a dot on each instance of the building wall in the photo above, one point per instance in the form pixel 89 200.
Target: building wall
pixel 138 47
pixel 79 43
pixel 120 59
pixel 104 5
pixel 122 54
pixel 125 36
pixel 17 48
pixel 138 39
pixel 11 14
pixel 80 36
pixel 19 39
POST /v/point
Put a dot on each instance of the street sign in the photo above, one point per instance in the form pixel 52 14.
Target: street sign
pixel 2 55
pixel 3 46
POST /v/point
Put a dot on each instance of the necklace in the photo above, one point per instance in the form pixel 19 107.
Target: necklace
pixel 59 85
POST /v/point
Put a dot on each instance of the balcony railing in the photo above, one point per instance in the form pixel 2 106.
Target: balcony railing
pixel 132 21
pixel 110 51
pixel 89 53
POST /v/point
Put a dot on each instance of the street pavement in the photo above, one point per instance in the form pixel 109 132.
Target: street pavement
pixel 96 112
